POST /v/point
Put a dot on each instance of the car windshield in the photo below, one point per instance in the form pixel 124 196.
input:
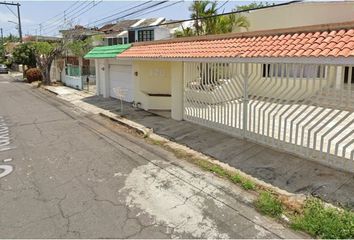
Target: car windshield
pixel 2 66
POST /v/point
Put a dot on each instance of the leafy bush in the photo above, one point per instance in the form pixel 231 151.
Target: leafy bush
pixel 8 63
pixel 33 74
pixel 268 204
pixel 325 222
pixel 25 54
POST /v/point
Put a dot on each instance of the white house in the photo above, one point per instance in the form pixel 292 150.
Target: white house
pixel 288 88
pixel 115 78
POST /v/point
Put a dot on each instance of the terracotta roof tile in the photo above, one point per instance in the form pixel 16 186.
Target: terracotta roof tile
pixel 334 43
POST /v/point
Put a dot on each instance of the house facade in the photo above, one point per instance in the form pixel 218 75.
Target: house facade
pixel 115 77
pixel 291 89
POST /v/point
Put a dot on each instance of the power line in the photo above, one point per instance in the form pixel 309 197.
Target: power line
pixel 58 21
pixel 101 19
pixel 222 14
pixel 129 14
pixel 155 10
pixel 11 11
pixel 57 27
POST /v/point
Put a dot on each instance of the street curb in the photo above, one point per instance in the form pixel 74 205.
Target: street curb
pixel 146 132
pixel 43 87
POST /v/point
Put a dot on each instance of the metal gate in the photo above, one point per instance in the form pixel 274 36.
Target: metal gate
pixel 306 109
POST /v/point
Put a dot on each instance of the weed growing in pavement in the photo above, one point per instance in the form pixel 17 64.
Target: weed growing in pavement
pixel 325 222
pixel 269 204
pixel 236 178
pixel 248 185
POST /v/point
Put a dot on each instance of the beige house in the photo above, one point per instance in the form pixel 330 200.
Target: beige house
pixel 290 88
pixel 304 13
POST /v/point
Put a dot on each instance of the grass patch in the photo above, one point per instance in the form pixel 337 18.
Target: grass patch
pixel 269 204
pixel 248 185
pixel 236 178
pixel 326 223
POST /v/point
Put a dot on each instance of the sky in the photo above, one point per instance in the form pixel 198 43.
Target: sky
pixel 50 14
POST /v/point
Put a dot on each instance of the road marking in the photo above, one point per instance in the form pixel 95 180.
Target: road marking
pixel 4 136
pixel 4 146
pixel 7 169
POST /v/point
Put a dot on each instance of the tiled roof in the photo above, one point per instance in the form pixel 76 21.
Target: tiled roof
pixel 313 41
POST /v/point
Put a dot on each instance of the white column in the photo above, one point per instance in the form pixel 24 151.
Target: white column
pixel 177 90
pixel 98 80
pixel 106 87
pixel 339 77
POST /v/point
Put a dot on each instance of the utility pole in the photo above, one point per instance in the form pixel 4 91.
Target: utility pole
pixel 2 43
pixel 18 16
pixel 19 22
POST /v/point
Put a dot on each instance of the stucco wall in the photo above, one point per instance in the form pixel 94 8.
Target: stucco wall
pixel 300 14
pixel 152 77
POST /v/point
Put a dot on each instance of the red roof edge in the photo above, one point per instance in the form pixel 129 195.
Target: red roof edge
pixel 271 32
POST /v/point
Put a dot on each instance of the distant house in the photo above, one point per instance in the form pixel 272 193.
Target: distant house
pixel 75 70
pixel 116 75
pixel 138 30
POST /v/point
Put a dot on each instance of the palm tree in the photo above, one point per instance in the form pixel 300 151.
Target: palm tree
pixel 231 23
pixel 200 9
pixel 212 25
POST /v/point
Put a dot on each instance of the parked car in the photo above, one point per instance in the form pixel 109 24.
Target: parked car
pixel 3 68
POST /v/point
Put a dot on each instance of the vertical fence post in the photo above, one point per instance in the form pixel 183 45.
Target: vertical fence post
pixel 245 100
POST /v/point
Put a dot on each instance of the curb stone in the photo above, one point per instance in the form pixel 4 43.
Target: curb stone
pixel 146 132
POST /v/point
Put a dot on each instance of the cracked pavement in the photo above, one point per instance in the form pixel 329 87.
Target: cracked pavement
pixel 77 175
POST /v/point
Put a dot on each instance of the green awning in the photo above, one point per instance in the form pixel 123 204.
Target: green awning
pixel 107 51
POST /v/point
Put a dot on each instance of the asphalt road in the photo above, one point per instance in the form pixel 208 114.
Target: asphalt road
pixel 65 173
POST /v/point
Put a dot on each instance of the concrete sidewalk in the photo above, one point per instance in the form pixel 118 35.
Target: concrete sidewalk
pixel 282 170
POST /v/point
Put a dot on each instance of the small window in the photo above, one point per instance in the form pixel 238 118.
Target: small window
pixel 347 78
pixel 145 35
pixel 110 41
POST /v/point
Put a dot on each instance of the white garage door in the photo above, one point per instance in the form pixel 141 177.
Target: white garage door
pixel 120 77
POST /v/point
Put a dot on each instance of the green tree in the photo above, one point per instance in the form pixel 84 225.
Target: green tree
pixel 25 54
pixel 202 9
pixel 206 20
pixel 45 54
pixel 80 47
pixel 253 5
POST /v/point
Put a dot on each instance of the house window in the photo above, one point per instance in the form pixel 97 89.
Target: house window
pixel 347 78
pixel 112 41
pixel 293 71
pixel 145 35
